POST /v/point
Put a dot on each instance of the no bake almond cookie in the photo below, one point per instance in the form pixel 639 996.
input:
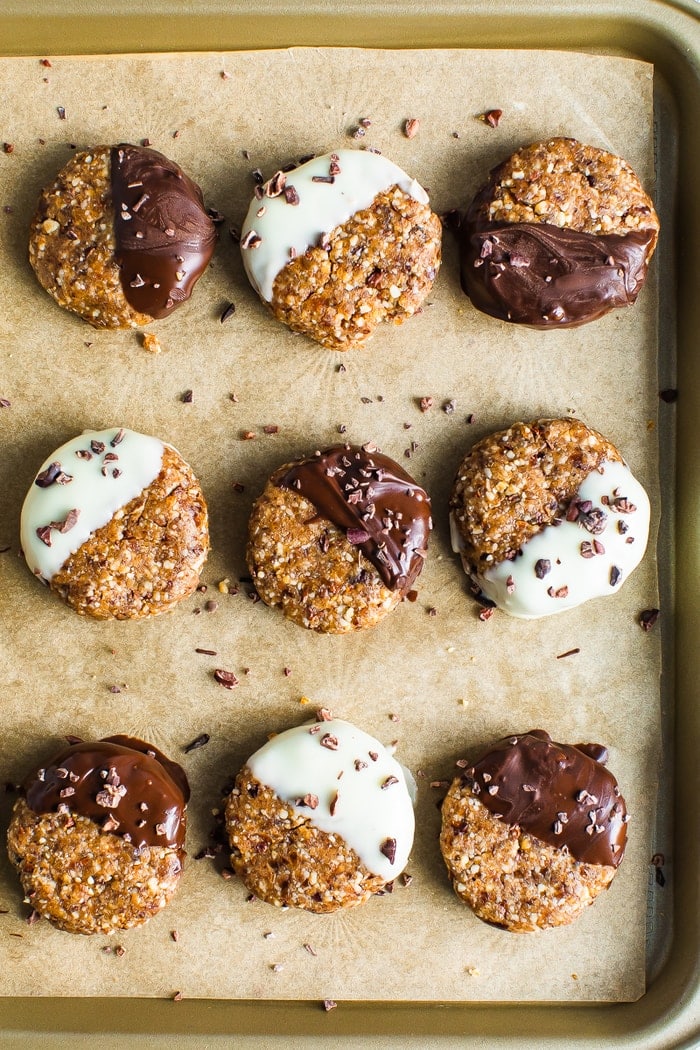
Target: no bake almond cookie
pixel 546 515
pixel 320 818
pixel 338 539
pixel 561 234
pixel 533 831
pixel 98 835
pixel 116 524
pixel 121 236
pixel 341 244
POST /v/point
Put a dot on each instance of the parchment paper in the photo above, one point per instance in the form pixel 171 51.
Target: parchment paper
pixel 444 685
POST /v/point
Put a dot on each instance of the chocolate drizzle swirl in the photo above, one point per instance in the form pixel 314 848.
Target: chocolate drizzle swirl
pixel 559 793
pixel 164 237
pixel 381 508
pixel 550 277
pixel 121 782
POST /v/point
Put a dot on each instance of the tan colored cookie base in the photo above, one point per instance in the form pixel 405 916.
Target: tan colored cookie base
pixel 84 880
pixel 305 565
pixel 378 266
pixel 567 184
pixel 512 484
pixel 286 861
pixel 71 243
pixel 148 557
pixel 510 878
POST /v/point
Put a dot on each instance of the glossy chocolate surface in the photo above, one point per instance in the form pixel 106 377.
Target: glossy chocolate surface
pixel 384 512
pixel 558 793
pixel 118 780
pixel 164 237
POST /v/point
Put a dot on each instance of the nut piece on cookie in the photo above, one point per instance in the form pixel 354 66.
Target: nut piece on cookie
pixel 533 831
pixel 561 234
pixel 338 539
pixel 320 818
pixel 121 236
pixel 116 524
pixel 98 835
pixel 340 244
pixel 545 516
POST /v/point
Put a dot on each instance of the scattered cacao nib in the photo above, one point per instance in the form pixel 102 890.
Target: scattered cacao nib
pixel 187 397
pixel 54 473
pixel 61 112
pixel 542 567
pixel 227 312
pixel 247 435
pixel 206 652
pixel 569 652
pixel 211 605
pixel 225 678
pixel 251 240
pixel 559 592
pixel 486 614
pixel 329 179
pixel 341 368
pixel 308 800
pixel 329 741
pixel 615 575
pixel 44 534
pixel 389 781
pixel 286 672
pixel 290 195
pixel 309 949
pixel 45 63
pixel 669 396
pixel 33 917
pixel 329 1004
pixel 449 407
pixel 357 536
pixel 4 403
pixel 388 849
pixel 68 523
pixel 412 596
pixel 425 403
pixel 470 418
pixel 492 117
pixel 199 741
pixel 176 997
pixel 366 400
pixel 271 428
pixel 8 147
pixel 648 618
pixel 411 127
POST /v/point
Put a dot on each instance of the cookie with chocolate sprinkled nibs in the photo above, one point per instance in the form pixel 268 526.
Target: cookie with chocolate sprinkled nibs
pixel 121 236
pixel 340 244
pixel 547 515
pixel 338 539
pixel 533 831
pixel 320 818
pixel 98 835
pixel 116 524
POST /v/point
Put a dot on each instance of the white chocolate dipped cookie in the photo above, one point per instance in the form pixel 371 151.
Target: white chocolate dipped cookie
pixel 339 244
pixel 320 818
pixel 116 524
pixel 546 516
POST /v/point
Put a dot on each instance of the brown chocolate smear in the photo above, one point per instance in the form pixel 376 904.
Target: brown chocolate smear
pixel 554 792
pixel 164 237
pixel 381 508
pixel 550 277
pixel 156 792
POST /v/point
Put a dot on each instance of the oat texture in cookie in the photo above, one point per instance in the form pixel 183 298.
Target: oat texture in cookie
pixel 545 516
pixel 121 236
pixel 98 835
pixel 116 524
pixel 338 539
pixel 320 817
pixel 533 831
pixel 340 244
pixel 561 234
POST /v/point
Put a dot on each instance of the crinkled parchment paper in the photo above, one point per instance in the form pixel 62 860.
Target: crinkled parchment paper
pixel 442 684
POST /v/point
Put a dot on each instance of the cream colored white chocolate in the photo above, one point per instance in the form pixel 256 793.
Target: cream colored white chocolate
pixel 368 795
pixel 286 230
pixel 106 470
pixel 565 565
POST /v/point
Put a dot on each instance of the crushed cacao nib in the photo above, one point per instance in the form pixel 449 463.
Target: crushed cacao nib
pixel 388 849
pixel 329 1004
pixel 199 741
pixel 271 428
pixel 492 117
pixel 425 403
pixel 61 112
pixel 615 575
pixel 648 618
pixel 225 678
pixel 669 396
pixel 187 397
pixel 8 147
pixel 449 407
pixel 329 741
pixel 227 312
pixel 4 403
pixel 569 652
pixel 411 127
pixel 54 474
pixel 309 949
pixel 542 567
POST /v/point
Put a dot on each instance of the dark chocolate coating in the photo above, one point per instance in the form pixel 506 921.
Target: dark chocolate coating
pixel 164 237
pixel 550 277
pixel 556 792
pixel 385 513
pixel 74 778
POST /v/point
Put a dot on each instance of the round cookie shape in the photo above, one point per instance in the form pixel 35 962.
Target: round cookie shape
pixel 561 234
pixel 339 538
pixel 320 818
pixel 121 236
pixel 546 516
pixel 533 831
pixel 341 243
pixel 116 524
pixel 98 835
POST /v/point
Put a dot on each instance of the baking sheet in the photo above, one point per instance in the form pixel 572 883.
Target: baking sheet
pixel 452 682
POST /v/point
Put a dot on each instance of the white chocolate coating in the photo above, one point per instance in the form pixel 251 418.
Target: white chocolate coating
pixel 95 491
pixel 322 206
pixel 365 815
pixel 574 577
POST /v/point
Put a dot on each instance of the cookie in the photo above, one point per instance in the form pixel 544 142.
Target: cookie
pixel 547 515
pixel 533 831
pixel 116 524
pixel 340 244
pixel 121 236
pixel 338 539
pixel 320 818
pixel 561 234
pixel 98 835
